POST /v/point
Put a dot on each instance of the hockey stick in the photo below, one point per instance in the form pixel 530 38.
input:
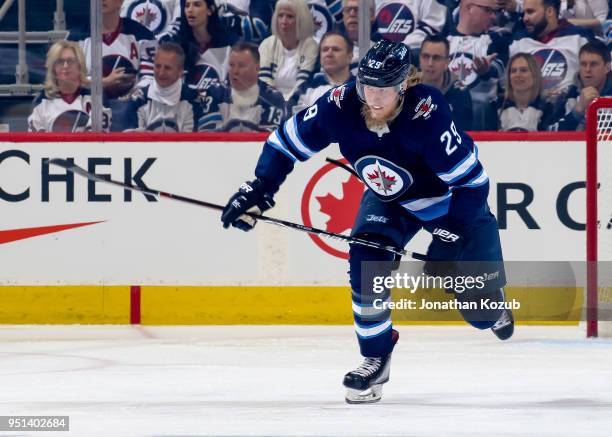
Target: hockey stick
pixel 343 165
pixel 71 167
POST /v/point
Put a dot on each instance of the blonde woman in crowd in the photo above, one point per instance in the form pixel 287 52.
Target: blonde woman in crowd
pixel 523 108
pixel 65 103
pixel 289 55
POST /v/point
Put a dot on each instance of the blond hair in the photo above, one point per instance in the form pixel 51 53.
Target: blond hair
pixel 51 86
pixel 304 23
pixel 535 71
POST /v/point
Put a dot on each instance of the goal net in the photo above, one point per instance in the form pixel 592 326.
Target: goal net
pixel 599 217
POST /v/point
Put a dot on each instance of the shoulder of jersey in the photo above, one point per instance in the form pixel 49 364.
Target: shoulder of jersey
pixel 422 101
pixel 317 79
pixel 131 27
pixel 188 93
pixel 39 98
pixel 140 94
pixel 571 29
pixel 79 33
pixel 341 97
pixel 218 92
pixel 269 93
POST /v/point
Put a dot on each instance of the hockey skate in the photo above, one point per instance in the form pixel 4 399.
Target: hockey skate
pixel 504 327
pixel 364 384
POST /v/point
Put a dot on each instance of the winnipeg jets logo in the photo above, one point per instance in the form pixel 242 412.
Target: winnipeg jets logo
pixel 395 21
pixel 336 95
pixel 149 13
pixel 424 108
pixel 461 67
pixel 554 67
pixel 323 20
pixel 381 179
pixel 384 178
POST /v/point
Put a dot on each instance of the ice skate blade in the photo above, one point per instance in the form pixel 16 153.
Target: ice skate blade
pixel 367 396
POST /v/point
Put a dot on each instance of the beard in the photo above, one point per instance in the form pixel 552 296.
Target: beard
pixel 539 27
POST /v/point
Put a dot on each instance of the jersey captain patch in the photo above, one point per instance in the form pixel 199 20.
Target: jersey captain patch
pixel 387 180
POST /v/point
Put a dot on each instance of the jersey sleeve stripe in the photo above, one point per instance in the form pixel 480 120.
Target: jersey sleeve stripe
pixel 294 138
pixel 429 208
pixel 419 204
pixel 370 310
pixel 481 179
pixel 372 331
pixel 275 142
pixel 459 170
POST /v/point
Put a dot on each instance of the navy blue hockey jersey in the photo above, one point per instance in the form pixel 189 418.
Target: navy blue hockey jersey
pixel 423 161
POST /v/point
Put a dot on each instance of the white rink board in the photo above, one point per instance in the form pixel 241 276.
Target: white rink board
pixel 166 242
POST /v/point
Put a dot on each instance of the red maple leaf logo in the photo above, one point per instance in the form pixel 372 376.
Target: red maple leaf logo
pixel 382 181
pixel 342 211
pixel 146 16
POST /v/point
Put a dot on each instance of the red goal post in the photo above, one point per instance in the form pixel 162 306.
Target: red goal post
pixel 598 193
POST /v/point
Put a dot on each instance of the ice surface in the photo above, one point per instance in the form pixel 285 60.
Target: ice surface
pixel 286 381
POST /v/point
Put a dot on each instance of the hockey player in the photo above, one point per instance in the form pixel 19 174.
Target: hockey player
pixel 420 171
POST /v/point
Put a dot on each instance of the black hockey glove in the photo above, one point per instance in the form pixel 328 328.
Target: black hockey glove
pixel 443 253
pixel 251 197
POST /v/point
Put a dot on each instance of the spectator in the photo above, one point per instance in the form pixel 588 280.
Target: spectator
pixel 249 104
pixel 594 80
pixel 65 104
pixel 523 108
pixel 433 61
pixel 350 27
pixel 288 57
pixel 409 21
pixel 335 52
pixel 327 15
pixel 161 17
pixel 553 42
pixel 254 17
pixel 128 49
pixel 477 58
pixel 590 14
pixel 167 105
pixel 206 41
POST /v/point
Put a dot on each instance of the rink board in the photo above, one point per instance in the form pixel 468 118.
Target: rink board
pixel 73 248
